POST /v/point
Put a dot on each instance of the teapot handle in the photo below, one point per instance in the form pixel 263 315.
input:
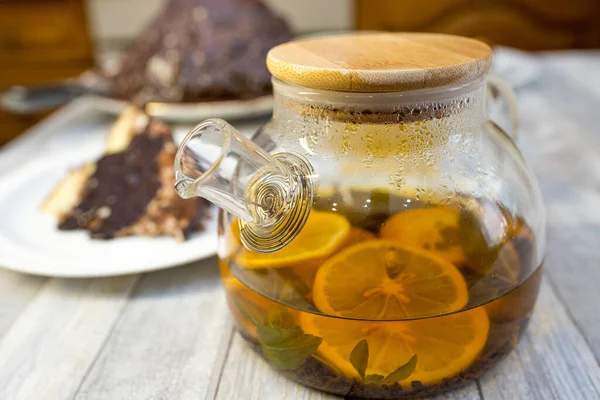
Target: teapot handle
pixel 500 91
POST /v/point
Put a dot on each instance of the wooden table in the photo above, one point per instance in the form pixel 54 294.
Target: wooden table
pixel 168 334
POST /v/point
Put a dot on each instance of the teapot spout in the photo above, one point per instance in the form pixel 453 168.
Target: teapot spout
pixel 270 194
pixel 205 166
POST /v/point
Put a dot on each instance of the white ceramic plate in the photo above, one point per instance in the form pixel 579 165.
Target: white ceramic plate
pixel 30 241
pixel 195 112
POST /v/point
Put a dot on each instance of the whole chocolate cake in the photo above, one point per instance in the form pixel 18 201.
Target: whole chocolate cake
pixel 202 50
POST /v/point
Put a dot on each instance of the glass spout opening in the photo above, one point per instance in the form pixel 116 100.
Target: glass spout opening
pixel 270 194
pixel 209 163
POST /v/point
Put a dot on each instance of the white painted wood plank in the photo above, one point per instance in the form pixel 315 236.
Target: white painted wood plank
pixel 16 290
pixel 561 140
pixel 47 350
pixel 167 341
pixel 468 392
pixel 553 361
pixel 579 67
pixel 247 376
pixel 574 268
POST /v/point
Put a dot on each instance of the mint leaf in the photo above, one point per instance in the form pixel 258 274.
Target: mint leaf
pixel 359 357
pixel 478 252
pixel 286 348
pixel 280 318
pixel 284 344
pixel 402 372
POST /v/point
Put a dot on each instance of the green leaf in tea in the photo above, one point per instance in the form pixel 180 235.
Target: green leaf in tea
pixel 402 372
pixel 286 348
pixel 373 379
pixel 450 237
pixel 359 357
pixel 478 252
pixel 284 344
pixel 280 318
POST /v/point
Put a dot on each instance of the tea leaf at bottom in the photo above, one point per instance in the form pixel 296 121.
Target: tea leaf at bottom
pixel 333 368
pixel 359 357
pixel 402 372
pixel 286 348
pixel 284 344
pixel 373 379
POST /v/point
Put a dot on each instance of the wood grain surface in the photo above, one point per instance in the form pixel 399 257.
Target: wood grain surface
pixel 525 24
pixel 168 335
pixel 41 42
pixel 380 62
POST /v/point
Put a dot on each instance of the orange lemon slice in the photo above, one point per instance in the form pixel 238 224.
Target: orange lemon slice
pixel 358 235
pixel 444 345
pixel 323 234
pixel 433 229
pixel 382 279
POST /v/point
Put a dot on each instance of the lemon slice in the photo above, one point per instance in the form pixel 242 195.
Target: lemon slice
pixel 444 346
pixel 433 229
pixel 358 235
pixel 381 279
pixel 323 234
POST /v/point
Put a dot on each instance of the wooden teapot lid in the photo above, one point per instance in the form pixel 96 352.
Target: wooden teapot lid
pixel 380 62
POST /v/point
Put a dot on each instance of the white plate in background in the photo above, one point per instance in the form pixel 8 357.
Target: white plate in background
pixel 31 242
pixel 194 112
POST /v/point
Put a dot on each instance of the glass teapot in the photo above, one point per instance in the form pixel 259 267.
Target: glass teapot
pixel 379 237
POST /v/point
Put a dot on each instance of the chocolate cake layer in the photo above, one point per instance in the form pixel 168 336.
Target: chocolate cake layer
pixel 202 50
pixel 131 191
pixel 120 189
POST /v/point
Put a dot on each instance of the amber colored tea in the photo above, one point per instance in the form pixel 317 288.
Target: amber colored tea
pixel 374 302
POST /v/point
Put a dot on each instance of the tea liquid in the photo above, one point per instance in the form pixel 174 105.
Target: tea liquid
pixel 382 296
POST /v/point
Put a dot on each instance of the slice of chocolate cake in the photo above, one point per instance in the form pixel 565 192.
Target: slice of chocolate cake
pixel 129 191
pixel 202 50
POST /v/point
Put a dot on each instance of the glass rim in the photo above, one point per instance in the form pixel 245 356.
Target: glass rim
pixel 332 98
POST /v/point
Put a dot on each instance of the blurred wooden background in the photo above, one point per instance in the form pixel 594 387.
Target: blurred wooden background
pixel 42 41
pixel 525 24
